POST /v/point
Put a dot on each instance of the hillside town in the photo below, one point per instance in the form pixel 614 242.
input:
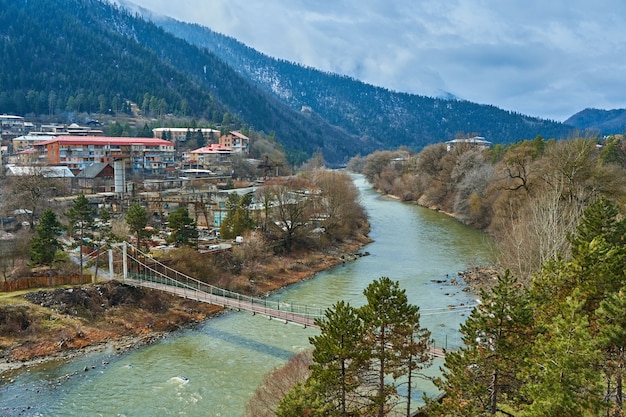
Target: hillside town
pixel 114 170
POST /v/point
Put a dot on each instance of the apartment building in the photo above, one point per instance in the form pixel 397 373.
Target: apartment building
pixel 11 126
pixel 180 134
pixel 236 141
pixel 150 155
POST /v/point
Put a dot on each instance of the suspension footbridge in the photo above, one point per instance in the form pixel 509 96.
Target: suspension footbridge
pixel 141 270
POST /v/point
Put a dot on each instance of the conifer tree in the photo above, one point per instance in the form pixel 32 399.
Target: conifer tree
pixel 612 323
pixel 183 227
pixel 339 361
pixel 137 220
pixel 390 323
pixel 238 218
pixel 562 376
pixel 80 217
pixel 482 376
pixel 46 243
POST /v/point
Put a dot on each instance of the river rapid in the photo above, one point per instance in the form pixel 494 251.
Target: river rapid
pixel 213 369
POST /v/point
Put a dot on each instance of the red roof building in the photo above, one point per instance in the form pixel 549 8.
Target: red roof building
pixel 77 152
pixel 210 156
pixel 238 142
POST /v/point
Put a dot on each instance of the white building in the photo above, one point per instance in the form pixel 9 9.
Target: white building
pixel 476 141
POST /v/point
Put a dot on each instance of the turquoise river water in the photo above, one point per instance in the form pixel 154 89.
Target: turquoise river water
pixel 213 369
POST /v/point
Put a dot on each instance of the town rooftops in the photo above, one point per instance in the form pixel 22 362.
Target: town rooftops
pixel 45 171
pixel 105 140
pixel 212 148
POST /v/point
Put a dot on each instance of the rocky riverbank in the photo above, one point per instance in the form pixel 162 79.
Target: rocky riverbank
pixel 63 323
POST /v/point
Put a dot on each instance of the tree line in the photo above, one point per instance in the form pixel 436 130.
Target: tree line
pixel 309 212
pixel 528 195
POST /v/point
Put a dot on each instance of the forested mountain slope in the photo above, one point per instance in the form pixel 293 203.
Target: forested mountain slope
pixel 388 119
pixel 606 122
pixel 90 56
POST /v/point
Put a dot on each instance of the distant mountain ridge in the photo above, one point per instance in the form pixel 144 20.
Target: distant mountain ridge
pixel 90 56
pixel 75 56
pixel 388 118
pixel 602 121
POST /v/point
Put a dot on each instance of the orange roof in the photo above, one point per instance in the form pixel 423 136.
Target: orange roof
pixel 239 135
pixel 213 148
pixel 104 140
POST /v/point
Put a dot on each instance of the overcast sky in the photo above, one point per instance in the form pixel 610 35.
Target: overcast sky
pixel 545 58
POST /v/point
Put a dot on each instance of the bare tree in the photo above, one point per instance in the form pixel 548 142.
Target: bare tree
pixel 292 207
pixel 340 212
pixel 33 191
pixel 277 384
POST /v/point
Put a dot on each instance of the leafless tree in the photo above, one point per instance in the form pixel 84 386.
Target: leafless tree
pixel 32 192
pixel 340 212
pixel 277 384
pixel 292 208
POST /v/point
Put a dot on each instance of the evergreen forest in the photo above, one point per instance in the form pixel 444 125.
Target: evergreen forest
pixel 64 58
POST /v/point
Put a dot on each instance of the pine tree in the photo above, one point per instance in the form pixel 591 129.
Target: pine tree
pixel 45 243
pixel 338 358
pixel 137 220
pixel 562 379
pixel 390 323
pixel 238 218
pixel 183 227
pixel 482 376
pixel 612 323
pixel 80 217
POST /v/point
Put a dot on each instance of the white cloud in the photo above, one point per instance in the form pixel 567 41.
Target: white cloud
pixel 543 58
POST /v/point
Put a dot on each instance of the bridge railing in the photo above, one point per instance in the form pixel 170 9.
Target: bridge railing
pixel 159 273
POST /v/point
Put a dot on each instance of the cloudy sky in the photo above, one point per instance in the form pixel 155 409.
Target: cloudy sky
pixel 545 58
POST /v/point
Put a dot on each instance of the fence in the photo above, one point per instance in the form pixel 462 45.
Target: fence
pixel 42 282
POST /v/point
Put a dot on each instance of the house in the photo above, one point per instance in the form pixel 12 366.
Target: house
pixel 21 143
pixel 213 156
pixel 95 178
pixel 239 143
pixel 150 155
pixel 476 141
pixel 26 157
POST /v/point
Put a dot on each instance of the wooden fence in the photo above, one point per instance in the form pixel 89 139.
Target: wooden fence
pixel 43 282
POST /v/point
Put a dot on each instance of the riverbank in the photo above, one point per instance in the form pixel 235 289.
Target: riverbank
pixel 477 278
pixel 60 324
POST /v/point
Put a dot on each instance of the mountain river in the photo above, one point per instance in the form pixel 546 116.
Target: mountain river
pixel 213 369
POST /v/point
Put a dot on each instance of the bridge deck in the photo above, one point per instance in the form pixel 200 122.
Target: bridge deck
pixel 232 303
pixel 244 305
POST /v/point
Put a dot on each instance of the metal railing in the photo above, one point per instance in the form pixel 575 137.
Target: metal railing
pixel 160 276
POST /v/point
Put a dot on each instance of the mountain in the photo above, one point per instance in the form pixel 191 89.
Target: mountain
pixel 607 122
pixel 385 118
pixel 91 56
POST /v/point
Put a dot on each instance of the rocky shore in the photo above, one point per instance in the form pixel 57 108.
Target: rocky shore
pixel 61 324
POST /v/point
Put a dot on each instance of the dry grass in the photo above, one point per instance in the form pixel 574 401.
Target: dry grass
pixel 30 330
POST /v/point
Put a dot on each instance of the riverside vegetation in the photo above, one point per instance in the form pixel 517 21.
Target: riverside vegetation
pixel 279 248
pixel 548 336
